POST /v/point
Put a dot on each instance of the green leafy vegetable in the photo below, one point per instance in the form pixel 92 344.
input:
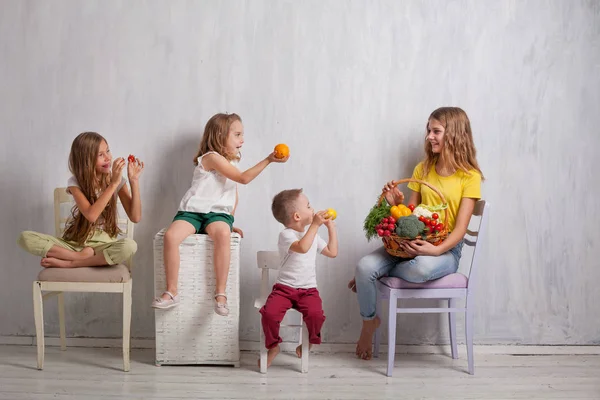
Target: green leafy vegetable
pixel 377 213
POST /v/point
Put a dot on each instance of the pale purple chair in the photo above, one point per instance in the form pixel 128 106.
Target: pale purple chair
pixel 450 287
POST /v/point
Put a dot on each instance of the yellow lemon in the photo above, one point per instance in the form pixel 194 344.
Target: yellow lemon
pixel 331 213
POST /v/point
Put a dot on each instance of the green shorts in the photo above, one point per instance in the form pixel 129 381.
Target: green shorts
pixel 201 220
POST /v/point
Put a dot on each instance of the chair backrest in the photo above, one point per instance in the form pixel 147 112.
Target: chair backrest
pixel 473 236
pixel 266 260
pixel 62 214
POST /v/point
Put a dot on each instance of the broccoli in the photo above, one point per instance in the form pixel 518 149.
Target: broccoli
pixel 409 227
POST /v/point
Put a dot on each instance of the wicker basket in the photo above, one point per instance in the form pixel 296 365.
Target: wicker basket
pixel 192 333
pixel 392 242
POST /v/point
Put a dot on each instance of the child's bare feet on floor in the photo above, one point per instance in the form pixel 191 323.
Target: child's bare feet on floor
pixel 271 354
pixel 299 350
pixel 364 346
pixel 352 285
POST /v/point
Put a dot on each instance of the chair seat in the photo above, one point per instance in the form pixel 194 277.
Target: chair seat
pixel 118 273
pixel 451 281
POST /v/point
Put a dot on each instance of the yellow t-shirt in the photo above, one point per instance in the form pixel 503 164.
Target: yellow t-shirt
pixel 453 187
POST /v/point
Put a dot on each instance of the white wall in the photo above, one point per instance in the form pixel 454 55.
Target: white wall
pixel 348 85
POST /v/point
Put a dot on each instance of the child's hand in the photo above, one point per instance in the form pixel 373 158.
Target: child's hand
pixel 392 194
pixel 117 171
pixel 319 218
pixel 134 169
pixel 272 158
pixel 329 222
pixel 238 231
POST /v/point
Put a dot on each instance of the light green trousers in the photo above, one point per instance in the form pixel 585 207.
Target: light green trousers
pixel 114 251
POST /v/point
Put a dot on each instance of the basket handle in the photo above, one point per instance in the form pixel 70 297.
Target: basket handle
pixel 430 186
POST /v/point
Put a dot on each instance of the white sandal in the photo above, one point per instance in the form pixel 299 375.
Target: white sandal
pixel 221 308
pixel 163 304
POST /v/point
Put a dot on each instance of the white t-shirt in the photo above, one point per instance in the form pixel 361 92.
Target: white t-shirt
pixel 73 182
pixel 298 270
pixel 210 191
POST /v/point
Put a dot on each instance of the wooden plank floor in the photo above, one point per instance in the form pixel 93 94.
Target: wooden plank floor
pixel 95 373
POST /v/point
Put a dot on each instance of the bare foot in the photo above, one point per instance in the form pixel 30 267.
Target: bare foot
pixel 86 252
pixel 271 354
pixel 299 350
pixel 364 346
pixel 50 262
pixel 352 285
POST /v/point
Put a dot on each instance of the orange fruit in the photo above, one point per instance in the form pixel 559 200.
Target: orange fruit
pixel 331 213
pixel 282 151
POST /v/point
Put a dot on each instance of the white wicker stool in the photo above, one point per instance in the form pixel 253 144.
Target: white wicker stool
pixel 192 333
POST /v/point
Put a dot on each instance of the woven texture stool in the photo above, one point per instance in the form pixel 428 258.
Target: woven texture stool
pixel 192 333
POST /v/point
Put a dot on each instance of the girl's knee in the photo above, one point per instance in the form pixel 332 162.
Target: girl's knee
pixel 366 268
pixel 22 239
pixel 171 237
pixel 129 247
pixel 221 236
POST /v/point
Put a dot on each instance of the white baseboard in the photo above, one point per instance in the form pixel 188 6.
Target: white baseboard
pixel 323 348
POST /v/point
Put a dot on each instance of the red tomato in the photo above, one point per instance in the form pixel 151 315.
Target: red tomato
pixel 439 227
pixel 411 207
pixel 422 219
pixel 131 158
pixel 435 216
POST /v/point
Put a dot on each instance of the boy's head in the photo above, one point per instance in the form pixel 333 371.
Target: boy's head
pixel 292 207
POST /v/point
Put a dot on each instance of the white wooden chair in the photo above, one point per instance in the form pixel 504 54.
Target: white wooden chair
pixel 109 279
pixel 266 261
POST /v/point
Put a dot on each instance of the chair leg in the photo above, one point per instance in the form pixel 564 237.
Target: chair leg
pixel 126 323
pixel 378 330
pixel 452 329
pixel 301 333
pixel 61 321
pixel 469 335
pixel 305 349
pixel 391 332
pixel 263 352
pixel 38 314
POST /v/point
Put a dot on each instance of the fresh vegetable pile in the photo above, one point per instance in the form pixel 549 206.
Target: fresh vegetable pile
pixel 405 221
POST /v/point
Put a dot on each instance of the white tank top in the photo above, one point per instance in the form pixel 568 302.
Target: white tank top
pixel 210 191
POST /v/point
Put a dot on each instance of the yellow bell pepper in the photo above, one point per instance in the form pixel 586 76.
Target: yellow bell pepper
pixel 400 211
pixel 405 211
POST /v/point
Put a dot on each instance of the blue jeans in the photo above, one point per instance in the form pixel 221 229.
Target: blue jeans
pixel 419 269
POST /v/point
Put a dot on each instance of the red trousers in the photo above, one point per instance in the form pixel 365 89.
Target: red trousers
pixel 281 299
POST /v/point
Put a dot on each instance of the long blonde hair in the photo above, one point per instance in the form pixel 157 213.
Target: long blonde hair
pixel 215 136
pixel 458 150
pixel 82 164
